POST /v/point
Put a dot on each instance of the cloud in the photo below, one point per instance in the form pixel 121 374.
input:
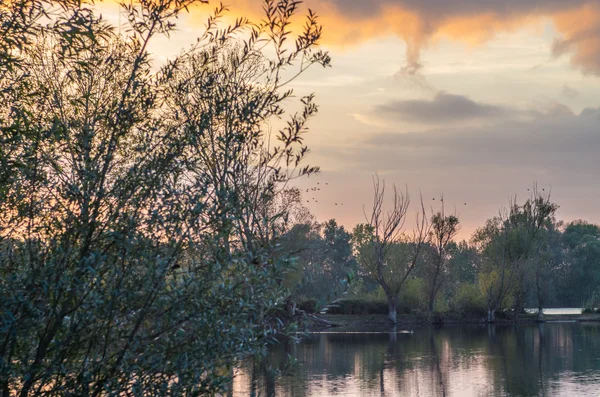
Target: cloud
pixel 443 108
pixel 590 113
pixel 581 36
pixel 421 22
pixel 481 164
pixel 559 141
pixel 569 92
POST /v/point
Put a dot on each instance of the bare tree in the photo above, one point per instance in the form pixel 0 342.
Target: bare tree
pixel 390 254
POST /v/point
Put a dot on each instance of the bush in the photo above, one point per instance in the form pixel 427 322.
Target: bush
pixel 442 304
pixel 469 300
pixel 358 306
pixel 410 300
pixel 412 297
pixel 308 305
pixel 592 305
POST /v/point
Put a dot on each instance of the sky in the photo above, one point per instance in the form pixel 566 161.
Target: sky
pixel 475 100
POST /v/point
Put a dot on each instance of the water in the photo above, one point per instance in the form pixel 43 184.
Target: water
pixel 552 359
pixel 569 311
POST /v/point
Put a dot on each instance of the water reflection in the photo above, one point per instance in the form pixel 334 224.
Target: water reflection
pixel 532 360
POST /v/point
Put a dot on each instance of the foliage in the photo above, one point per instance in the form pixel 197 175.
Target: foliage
pixel 592 305
pixel 358 307
pixel 444 229
pixel 412 299
pixel 579 274
pixel 323 262
pixel 308 305
pixel 138 231
pixel 469 300
pixel 464 265
pixel 509 244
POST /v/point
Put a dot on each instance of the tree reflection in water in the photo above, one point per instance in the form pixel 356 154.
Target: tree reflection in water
pixel 524 360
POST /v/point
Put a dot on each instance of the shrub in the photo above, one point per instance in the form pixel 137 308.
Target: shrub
pixel 308 305
pixel 358 306
pixel 442 304
pixel 469 300
pixel 592 304
pixel 412 297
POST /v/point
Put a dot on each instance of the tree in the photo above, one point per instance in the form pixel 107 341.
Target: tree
pixel 323 261
pixel 464 264
pixel 384 250
pixel 138 249
pixel 507 243
pixel 547 260
pixel 579 275
pixel 443 230
pixel 537 223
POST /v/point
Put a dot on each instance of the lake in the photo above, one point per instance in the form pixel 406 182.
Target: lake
pixel 551 359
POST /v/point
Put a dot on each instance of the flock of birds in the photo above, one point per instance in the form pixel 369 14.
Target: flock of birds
pixel 315 189
pixel 442 200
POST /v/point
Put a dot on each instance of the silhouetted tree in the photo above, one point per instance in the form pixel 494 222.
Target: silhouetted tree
pixel 138 243
pixel 443 230
pixel 385 251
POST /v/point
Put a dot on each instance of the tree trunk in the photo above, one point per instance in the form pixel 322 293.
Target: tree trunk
pixel 491 317
pixel 540 296
pixel 392 309
pixel 432 300
pixel 269 379
pixel 540 313
pixel 434 285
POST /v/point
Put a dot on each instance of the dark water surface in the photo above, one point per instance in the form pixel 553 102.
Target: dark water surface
pixel 552 359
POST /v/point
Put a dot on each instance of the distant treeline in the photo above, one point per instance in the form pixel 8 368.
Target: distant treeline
pixel 523 257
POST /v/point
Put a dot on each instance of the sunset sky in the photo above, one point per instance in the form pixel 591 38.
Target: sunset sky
pixel 472 99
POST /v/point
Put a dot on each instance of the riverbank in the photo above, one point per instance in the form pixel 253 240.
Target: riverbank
pixel 379 320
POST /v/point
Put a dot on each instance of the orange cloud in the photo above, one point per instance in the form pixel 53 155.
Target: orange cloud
pixel 420 22
pixel 581 30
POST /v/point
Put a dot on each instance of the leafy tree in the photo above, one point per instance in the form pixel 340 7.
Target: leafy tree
pixel 507 243
pixel 547 260
pixel 464 264
pixel 138 243
pixel 443 230
pixel 579 275
pixel 324 262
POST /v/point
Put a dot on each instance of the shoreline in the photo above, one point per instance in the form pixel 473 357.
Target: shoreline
pixel 380 320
